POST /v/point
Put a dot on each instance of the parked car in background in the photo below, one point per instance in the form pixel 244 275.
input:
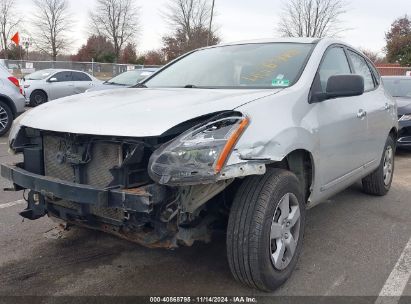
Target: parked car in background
pixel 400 88
pixel 12 101
pixel 243 137
pixel 45 85
pixel 126 79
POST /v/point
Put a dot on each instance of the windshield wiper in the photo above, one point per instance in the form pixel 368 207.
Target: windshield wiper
pixel 190 86
pixel 140 85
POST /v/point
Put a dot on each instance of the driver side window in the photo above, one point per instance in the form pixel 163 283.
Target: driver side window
pixel 335 63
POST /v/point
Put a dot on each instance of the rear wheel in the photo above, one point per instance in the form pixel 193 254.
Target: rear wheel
pixel 266 229
pixel 6 118
pixel 37 98
pixel 379 182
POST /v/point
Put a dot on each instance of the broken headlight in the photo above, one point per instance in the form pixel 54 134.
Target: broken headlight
pixel 199 154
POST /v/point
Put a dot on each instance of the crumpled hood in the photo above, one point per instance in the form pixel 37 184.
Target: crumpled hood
pixel 134 112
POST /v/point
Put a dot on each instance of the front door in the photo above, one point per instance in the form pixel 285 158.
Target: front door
pixel 342 128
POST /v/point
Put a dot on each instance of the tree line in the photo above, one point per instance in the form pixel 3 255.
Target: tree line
pixel 115 26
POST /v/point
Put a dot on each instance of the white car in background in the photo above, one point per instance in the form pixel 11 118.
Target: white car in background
pixel 45 85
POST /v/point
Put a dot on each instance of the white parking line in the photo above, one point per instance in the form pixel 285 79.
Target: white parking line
pixel 398 279
pixel 11 204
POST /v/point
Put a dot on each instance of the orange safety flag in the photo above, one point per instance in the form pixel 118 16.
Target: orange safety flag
pixel 16 38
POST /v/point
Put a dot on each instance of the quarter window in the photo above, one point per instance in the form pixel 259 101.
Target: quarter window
pixel 335 63
pixel 80 77
pixel 361 68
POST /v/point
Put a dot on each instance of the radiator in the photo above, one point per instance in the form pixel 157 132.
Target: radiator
pixel 104 156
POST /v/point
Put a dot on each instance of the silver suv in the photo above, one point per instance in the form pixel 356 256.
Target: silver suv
pixel 242 137
pixel 12 101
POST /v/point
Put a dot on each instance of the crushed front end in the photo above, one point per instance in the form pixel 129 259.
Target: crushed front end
pixel 105 183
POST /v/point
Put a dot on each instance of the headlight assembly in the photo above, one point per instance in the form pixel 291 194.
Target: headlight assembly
pixel 406 117
pixel 199 154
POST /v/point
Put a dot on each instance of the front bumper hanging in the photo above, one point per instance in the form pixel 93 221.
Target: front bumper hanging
pixel 140 200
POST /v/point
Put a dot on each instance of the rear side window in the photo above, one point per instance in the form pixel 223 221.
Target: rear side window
pixel 361 68
pixel 63 76
pixel 80 77
pixel 334 63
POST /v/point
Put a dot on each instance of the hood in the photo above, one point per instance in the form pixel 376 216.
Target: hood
pixel 105 87
pixel 134 112
pixel 403 102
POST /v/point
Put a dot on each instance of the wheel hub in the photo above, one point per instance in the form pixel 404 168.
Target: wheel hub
pixel 388 165
pixel 285 231
pixel 4 118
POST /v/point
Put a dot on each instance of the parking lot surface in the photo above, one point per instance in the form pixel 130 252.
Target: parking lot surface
pixel 352 244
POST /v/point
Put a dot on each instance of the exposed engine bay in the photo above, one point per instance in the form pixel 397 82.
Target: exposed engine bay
pixel 105 183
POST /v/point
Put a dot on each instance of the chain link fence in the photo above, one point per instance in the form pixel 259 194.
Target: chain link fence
pixel 103 71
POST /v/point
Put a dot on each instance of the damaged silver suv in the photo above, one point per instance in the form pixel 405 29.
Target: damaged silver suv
pixel 243 137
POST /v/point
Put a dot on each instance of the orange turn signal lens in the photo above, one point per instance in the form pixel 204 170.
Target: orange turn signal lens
pixel 230 144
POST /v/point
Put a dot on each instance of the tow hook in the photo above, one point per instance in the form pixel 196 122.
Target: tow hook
pixel 36 207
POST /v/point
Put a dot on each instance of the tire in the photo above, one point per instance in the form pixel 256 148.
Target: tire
pixel 379 182
pixel 256 209
pixel 37 98
pixel 6 118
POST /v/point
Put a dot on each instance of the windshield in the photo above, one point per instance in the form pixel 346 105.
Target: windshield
pixel 40 75
pixel 130 78
pixel 265 65
pixel 398 87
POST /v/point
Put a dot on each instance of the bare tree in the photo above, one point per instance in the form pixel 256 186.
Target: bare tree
pixel 188 15
pixel 51 25
pixel 312 18
pixel 8 23
pixel 117 20
pixel 190 20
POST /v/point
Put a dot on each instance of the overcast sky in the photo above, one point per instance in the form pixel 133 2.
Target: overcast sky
pixel 249 19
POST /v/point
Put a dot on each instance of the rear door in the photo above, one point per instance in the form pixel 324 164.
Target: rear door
pixel 63 87
pixel 342 128
pixel 81 82
pixel 377 106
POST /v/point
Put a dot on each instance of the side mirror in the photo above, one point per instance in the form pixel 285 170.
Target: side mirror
pixel 53 80
pixel 341 86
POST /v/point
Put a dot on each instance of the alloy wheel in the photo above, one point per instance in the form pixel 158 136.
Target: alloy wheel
pixel 388 165
pixel 4 119
pixel 285 230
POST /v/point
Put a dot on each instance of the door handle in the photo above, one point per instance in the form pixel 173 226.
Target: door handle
pixel 387 107
pixel 361 114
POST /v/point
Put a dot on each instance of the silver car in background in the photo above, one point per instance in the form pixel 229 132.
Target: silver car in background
pixel 126 79
pixel 11 100
pixel 45 85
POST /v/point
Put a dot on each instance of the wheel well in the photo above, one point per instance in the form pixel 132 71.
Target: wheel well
pixel 301 163
pixel 10 104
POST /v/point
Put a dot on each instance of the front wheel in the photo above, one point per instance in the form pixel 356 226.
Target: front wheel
pixel 265 230
pixel 379 182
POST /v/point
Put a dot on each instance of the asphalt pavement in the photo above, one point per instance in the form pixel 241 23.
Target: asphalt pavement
pixel 353 244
